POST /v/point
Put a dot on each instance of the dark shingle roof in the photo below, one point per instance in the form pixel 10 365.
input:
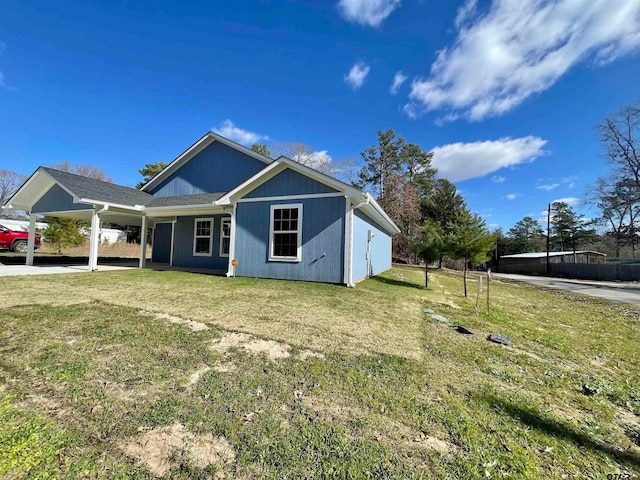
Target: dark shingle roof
pixel 90 188
pixel 197 199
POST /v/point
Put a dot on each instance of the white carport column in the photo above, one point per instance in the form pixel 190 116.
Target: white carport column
pixel 143 243
pixel 94 240
pixel 31 242
pixel 231 270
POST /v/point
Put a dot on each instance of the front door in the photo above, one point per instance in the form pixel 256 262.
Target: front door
pixel 161 252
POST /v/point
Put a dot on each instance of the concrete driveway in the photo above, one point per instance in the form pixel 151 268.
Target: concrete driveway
pixel 17 270
pixel 617 292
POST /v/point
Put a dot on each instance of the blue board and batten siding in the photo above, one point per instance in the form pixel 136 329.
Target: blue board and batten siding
pixel 322 258
pixel 161 252
pixel 57 200
pixel 217 168
pixel 289 182
pixel 183 245
pixel 379 248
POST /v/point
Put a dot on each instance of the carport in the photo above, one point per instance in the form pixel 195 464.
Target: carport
pixel 61 194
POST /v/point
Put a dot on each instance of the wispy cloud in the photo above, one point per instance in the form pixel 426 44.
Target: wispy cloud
pixel 398 79
pixel 571 201
pixel 512 196
pixel 2 49
pixel 462 161
pixel 548 187
pixel 356 76
pixel 498 179
pixel 517 49
pixel 369 13
pixel 229 130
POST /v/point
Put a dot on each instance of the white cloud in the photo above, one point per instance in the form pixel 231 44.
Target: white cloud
pixel 498 179
pixel 462 161
pixel 548 187
pixel 357 75
pixel 398 79
pixel 519 48
pixel 571 201
pixel 229 130
pixel 465 13
pixel 369 13
pixel 512 196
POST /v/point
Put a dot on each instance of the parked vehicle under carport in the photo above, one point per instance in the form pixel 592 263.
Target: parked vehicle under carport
pixel 15 240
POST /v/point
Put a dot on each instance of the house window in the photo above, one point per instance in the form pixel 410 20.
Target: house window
pixel 202 237
pixel 225 237
pixel 285 235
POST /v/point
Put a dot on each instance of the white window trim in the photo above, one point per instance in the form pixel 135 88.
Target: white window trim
pixel 211 230
pixel 298 257
pixel 222 221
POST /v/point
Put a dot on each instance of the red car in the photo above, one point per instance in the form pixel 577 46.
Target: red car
pixel 15 240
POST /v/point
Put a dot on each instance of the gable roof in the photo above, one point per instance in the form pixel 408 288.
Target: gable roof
pixel 204 141
pixel 362 200
pixel 279 165
pixel 82 189
pixel 98 190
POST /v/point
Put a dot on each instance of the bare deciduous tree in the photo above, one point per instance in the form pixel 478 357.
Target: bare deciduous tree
pixel 90 171
pixel 10 181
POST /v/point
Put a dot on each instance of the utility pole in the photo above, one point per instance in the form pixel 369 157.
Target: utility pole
pixel 548 234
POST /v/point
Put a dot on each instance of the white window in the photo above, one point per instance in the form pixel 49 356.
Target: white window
pixel 225 237
pixel 202 237
pixel 285 233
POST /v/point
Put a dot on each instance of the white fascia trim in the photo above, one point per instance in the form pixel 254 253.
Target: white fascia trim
pixel 24 206
pixel 89 201
pixel 248 184
pixel 298 257
pixel 195 237
pixel 291 197
pixel 222 221
pixel 320 177
pixel 204 141
pixel 381 213
pixel 280 165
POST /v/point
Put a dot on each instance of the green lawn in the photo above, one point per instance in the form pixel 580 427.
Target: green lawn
pixel 136 374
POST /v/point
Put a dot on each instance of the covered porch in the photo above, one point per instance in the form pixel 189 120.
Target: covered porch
pixel 54 193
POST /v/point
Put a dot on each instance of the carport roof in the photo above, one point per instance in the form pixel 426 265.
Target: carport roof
pixel 98 190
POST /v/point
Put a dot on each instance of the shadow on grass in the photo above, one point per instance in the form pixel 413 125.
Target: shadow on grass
pixel 397 283
pixel 532 418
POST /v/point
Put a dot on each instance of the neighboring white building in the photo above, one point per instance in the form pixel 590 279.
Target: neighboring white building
pixel 107 235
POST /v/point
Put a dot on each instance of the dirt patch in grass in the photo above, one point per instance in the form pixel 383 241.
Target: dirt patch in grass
pixel 305 354
pixel 273 350
pixel 192 324
pixel 197 375
pixel 162 449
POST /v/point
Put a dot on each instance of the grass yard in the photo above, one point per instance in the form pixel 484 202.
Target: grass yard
pixel 142 374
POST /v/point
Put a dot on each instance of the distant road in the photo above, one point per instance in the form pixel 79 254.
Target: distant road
pixel 617 292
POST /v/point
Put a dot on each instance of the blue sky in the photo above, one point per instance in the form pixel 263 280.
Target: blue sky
pixel 506 92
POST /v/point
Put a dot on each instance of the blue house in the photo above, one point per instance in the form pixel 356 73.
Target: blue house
pixel 223 207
